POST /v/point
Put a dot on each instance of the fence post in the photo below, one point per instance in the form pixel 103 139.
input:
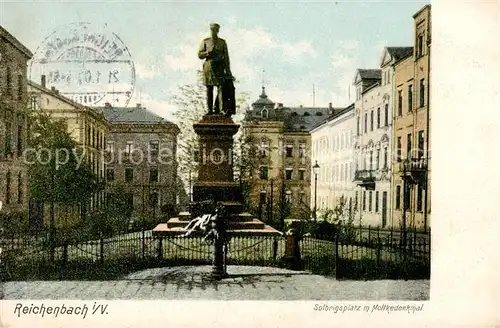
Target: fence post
pixel 275 248
pixel 159 250
pixel 337 275
pixel 101 244
pixel 379 246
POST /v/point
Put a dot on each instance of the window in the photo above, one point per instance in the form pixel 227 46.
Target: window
pixel 153 175
pixel 370 201
pixel 289 150
pixel 408 146
pixel 419 197
pixel 371 160
pixel 263 173
pixel 110 174
pixel 8 137
pixel 422 93
pixel 19 188
pixel 288 174
pixel 376 201
pixel 385 157
pixel 420 144
pixel 264 113
pixel 400 103
pixel 420 46
pixel 366 122
pixel 288 196
pixel 398 149
pixel 398 197
pixel 20 87
pixel 129 200
pixel 364 200
pixel 302 174
pixel 356 201
pixel 33 103
pixel 378 118
pixel 110 147
pixel 371 120
pixel 386 115
pixel 264 148
pixel 410 98
pixel 154 147
pixel 153 199
pixel 301 197
pixel 129 147
pixel 7 189
pixel 129 174
pixel 357 128
pixel 407 196
pixel 262 198
pixel 302 149
pixel 378 159
pixel 19 139
pixel 8 81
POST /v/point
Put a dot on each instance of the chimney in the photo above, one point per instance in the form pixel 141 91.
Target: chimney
pixel 138 105
pixel 43 80
pixel 107 105
pixel 330 109
pixel 53 89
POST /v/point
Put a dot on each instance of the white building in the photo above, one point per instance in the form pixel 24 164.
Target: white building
pixel 373 146
pixel 332 148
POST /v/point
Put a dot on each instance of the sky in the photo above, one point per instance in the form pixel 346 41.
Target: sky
pixel 290 47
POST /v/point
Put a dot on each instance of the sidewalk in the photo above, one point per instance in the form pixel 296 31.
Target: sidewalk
pixel 244 283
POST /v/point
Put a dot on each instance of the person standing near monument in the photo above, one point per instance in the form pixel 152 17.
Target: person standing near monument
pixel 216 68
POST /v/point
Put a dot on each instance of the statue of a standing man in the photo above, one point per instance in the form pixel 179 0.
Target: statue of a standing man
pixel 216 69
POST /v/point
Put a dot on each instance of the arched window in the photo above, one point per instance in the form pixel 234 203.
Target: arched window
pixel 264 113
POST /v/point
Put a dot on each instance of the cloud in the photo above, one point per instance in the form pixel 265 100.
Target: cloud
pixel 160 107
pixel 146 72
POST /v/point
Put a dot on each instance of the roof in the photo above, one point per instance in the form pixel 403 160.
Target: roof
pixel 15 42
pixel 398 53
pixel 263 99
pixel 336 113
pixel 137 114
pixel 370 74
pixel 55 93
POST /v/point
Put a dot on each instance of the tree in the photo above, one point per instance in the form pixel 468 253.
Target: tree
pixel 58 174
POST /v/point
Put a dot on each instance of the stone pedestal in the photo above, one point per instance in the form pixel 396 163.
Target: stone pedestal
pixel 215 175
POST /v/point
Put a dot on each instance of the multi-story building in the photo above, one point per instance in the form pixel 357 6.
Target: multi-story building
pixel 88 128
pixel 332 150
pixel 283 176
pixel 141 156
pixel 372 148
pixel 13 123
pixel 411 178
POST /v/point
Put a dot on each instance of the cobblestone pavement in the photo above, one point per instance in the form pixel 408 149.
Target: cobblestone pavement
pixel 244 283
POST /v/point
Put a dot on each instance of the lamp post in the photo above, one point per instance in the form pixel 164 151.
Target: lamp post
pixel 315 171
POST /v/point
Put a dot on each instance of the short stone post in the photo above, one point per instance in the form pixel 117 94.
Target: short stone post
pixel 292 258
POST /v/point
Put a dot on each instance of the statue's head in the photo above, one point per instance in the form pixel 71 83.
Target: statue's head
pixel 214 29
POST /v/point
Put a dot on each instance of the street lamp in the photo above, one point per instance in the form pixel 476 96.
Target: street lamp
pixel 315 171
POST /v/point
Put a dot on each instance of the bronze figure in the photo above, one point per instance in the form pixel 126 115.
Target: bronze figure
pixel 217 73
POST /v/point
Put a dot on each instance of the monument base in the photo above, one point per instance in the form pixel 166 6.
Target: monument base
pixel 217 191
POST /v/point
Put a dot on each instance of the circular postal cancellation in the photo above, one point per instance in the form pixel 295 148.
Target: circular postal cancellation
pixel 88 64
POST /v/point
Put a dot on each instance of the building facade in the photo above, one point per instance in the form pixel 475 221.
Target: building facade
pixel 141 155
pixel 332 149
pixel 283 170
pixel 412 174
pixel 13 123
pixel 87 127
pixel 372 148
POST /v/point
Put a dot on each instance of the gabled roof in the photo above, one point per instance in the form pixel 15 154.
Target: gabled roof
pixel 15 42
pixel 392 55
pixel 131 115
pixel 367 74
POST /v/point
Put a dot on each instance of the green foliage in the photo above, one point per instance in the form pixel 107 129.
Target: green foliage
pixel 13 222
pixel 58 174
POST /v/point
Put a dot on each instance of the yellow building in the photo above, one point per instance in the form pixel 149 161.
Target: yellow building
pixel 13 123
pixel 283 172
pixel 411 173
pixel 86 125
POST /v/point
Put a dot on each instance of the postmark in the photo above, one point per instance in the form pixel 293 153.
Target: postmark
pixel 87 63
